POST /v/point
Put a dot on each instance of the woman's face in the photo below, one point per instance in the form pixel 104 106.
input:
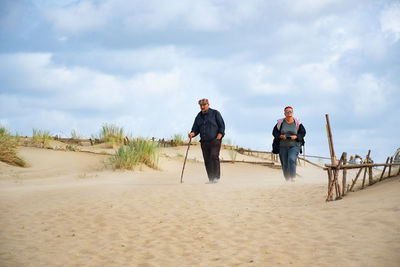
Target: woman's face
pixel 288 113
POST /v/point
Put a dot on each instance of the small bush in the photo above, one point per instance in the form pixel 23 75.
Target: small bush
pixel 137 152
pixel 8 145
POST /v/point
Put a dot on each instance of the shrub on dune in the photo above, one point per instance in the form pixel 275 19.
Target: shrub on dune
pixel 8 145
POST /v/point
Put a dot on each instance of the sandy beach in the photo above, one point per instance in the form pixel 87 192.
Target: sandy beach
pixel 69 209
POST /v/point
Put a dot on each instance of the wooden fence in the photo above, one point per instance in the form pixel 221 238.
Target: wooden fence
pixel 341 188
pixel 335 167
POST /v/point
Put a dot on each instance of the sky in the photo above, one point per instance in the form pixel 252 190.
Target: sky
pixel 143 65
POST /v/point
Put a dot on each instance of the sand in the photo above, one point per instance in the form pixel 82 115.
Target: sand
pixel 69 209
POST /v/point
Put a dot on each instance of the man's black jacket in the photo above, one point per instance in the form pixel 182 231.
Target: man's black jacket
pixel 209 125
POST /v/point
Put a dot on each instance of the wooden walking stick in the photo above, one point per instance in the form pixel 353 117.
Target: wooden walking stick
pixel 184 163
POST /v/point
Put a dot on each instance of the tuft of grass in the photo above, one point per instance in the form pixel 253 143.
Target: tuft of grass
pixel 178 139
pixel 71 147
pixel 138 151
pixel 75 134
pixel 111 133
pixel 41 138
pixel 233 154
pixel 8 146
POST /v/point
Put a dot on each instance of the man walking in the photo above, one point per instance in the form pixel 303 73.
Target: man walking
pixel 211 126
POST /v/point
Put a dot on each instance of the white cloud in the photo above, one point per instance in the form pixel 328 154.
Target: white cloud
pixel 390 20
pixel 157 83
pixel 370 96
pixel 262 80
pixel 316 77
pixel 81 17
pixel 85 16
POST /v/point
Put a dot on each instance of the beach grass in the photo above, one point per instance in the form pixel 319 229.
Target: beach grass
pixel 41 138
pixel 75 134
pixel 232 154
pixel 8 145
pixel 111 133
pixel 138 151
pixel 231 150
pixel 178 139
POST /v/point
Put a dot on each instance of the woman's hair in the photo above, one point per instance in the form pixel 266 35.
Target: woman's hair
pixel 288 107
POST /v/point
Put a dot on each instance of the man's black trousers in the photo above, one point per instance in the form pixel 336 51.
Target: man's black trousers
pixel 211 157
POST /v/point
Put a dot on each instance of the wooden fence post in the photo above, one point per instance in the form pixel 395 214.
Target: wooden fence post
pixel 365 174
pixel 370 178
pixel 335 178
pixel 329 170
pixel 344 173
pixel 384 169
pixel 365 171
pixel 355 179
pixel 330 140
pixel 390 166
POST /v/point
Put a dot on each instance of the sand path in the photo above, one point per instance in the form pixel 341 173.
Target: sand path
pixel 146 218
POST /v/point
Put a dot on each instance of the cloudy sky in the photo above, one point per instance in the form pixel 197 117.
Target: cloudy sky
pixel 144 64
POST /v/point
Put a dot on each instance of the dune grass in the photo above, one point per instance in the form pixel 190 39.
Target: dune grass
pixel 111 133
pixel 41 138
pixel 139 151
pixel 232 152
pixel 178 139
pixel 76 135
pixel 8 145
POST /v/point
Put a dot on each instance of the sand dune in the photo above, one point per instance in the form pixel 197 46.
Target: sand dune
pixel 68 209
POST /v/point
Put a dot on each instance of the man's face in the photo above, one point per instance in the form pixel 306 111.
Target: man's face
pixel 288 112
pixel 204 107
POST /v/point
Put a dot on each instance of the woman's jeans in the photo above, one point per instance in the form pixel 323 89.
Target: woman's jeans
pixel 288 156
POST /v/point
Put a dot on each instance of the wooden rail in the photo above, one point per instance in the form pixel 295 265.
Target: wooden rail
pixel 334 170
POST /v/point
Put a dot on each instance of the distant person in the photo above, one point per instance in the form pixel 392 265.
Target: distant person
pixel 352 159
pixel 358 159
pixel 288 135
pixel 211 126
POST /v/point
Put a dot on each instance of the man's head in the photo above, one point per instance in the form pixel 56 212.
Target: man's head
pixel 288 111
pixel 204 105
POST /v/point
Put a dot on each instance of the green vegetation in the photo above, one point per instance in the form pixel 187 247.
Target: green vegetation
pixel 8 145
pixel 178 139
pixel 71 147
pixel 232 152
pixel 110 133
pixel 138 151
pixel 75 134
pixel 41 138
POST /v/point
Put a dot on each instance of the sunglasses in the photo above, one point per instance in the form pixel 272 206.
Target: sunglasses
pixel 288 111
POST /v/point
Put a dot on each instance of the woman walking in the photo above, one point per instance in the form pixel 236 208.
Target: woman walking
pixel 288 135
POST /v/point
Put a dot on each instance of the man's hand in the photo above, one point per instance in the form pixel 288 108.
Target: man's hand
pixel 219 136
pixel 190 135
